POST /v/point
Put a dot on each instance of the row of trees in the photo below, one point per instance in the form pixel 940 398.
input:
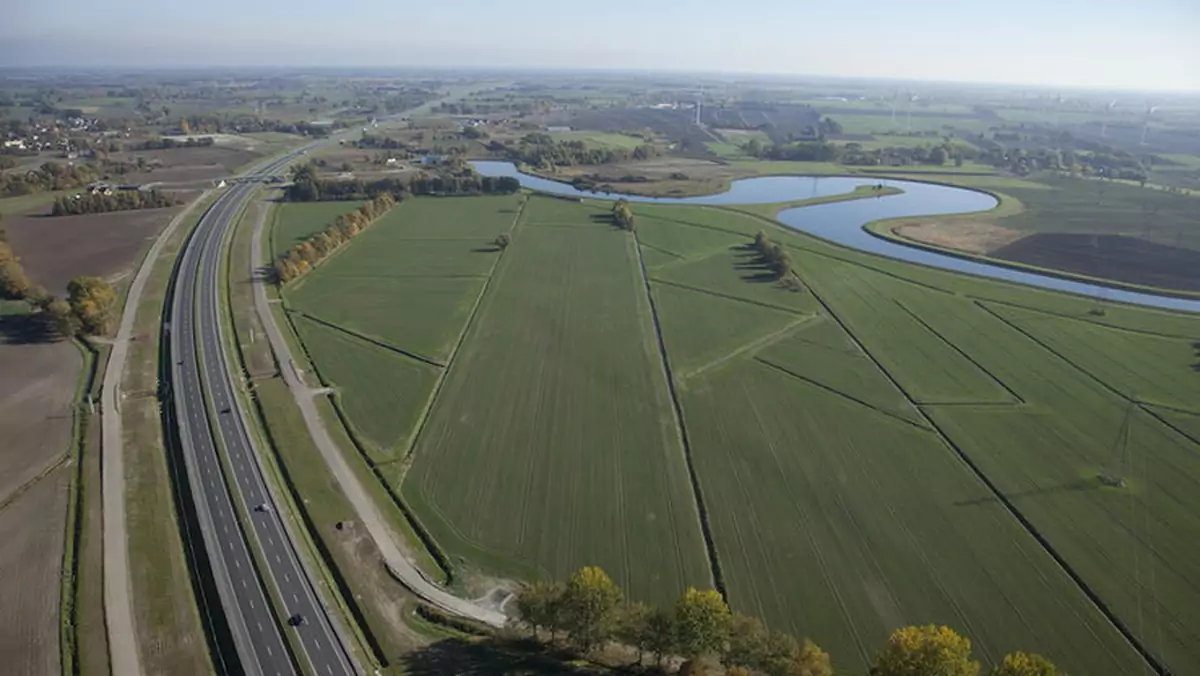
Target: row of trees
pixel 307 186
pixel 168 142
pixel 303 256
pixel 590 611
pixel 622 215
pixel 854 154
pixel 121 200
pixel 49 176
pixel 773 255
pixel 541 150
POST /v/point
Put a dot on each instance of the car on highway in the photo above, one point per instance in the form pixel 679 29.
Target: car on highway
pixel 297 620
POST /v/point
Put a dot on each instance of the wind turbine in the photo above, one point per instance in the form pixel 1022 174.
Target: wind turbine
pixel 908 124
pixel 1146 123
pixel 1104 124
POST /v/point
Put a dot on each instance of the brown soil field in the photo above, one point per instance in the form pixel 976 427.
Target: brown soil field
pixel 31 550
pixel 36 390
pixel 186 165
pixel 1116 257
pixel 55 249
pixel 969 236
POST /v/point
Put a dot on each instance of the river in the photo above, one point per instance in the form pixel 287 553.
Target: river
pixel 843 222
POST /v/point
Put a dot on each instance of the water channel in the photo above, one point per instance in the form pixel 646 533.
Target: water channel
pixel 842 222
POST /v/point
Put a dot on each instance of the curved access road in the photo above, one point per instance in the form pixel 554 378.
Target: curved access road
pixel 400 566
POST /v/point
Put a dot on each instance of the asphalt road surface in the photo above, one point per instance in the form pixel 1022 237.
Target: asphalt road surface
pixel 206 410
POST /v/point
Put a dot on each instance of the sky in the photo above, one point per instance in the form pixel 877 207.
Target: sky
pixel 1123 44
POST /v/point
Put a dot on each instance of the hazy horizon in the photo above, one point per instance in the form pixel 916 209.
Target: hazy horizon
pixel 1102 44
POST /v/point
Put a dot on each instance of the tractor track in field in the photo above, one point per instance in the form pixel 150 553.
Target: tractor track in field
pixel 1097 602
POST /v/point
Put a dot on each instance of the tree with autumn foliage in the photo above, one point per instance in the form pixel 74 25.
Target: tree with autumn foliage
pixel 922 651
pixel 590 606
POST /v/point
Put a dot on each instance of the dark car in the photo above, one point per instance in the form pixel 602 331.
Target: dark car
pixel 297 620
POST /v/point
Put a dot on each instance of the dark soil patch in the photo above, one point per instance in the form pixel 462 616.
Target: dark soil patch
pixel 185 165
pixel 53 250
pixel 1116 257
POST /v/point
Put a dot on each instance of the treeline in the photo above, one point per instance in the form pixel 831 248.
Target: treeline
pixel 381 143
pixel 220 124
pixel 302 257
pixel 120 200
pixel 590 612
pixel 541 150
pixel 167 142
pixel 49 176
pixel 307 186
pixel 854 154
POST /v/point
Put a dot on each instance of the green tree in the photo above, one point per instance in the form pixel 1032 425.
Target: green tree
pixel 1025 664
pixel 634 628
pixel 925 651
pixel 59 317
pixel 702 623
pixel 747 645
pixel 590 607
pixel 502 241
pixel 622 215
pixel 540 605
pixel 660 634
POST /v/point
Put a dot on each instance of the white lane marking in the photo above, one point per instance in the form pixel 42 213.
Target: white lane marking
pixel 243 581
pixel 269 653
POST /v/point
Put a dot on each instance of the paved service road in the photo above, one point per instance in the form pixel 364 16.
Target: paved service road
pixel 207 411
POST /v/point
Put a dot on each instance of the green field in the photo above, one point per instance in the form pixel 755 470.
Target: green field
pixel 295 222
pixel 553 442
pixel 888 445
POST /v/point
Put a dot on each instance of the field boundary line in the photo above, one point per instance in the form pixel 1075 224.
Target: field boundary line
pixel 1059 315
pixel 718 294
pixel 661 250
pixel 33 481
pixel 833 390
pixel 1097 602
pixel 710 546
pixel 1159 418
pixel 714 228
pixel 760 343
pixel 960 351
pixel 406 457
pixel 366 339
pixel 1112 390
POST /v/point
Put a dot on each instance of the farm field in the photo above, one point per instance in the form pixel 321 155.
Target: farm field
pixel 31 553
pixel 888 445
pixel 53 250
pixel 294 222
pixel 558 404
pixel 379 318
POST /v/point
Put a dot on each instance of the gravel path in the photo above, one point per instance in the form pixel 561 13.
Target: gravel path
pixel 385 539
pixel 118 601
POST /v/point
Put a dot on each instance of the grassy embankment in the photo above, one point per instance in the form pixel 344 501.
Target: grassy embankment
pixel 170 632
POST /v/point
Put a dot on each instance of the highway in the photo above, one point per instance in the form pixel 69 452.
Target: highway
pixel 206 410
